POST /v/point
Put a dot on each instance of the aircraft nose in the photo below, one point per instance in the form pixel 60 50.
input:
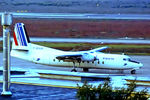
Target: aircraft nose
pixel 140 65
pixel 137 65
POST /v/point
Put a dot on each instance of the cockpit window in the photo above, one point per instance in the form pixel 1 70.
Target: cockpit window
pixel 133 61
pixel 128 59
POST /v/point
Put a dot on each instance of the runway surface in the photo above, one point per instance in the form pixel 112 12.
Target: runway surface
pixel 81 16
pixel 85 40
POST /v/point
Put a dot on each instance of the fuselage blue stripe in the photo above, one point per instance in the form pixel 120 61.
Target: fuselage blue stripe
pixel 23 36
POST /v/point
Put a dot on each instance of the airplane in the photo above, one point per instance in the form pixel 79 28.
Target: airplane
pixel 22 48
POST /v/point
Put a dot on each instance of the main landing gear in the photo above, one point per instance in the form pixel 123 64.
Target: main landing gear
pixel 74 68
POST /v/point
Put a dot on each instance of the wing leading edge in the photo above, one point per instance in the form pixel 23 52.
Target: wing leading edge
pixel 98 49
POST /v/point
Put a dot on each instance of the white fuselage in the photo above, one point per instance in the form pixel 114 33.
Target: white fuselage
pixel 47 56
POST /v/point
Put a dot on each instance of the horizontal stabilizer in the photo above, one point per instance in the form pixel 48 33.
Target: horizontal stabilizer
pixel 24 48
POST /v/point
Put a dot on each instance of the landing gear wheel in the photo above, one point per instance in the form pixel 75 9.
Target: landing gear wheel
pixel 133 71
pixel 73 70
pixel 85 69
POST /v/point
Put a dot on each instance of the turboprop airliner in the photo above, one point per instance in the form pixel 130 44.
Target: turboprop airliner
pixel 24 49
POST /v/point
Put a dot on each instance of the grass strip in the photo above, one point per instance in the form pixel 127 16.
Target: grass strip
pixel 131 49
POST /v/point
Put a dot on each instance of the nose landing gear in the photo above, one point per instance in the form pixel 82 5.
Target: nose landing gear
pixel 133 71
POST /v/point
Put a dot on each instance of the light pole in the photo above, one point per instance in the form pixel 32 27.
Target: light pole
pixel 6 21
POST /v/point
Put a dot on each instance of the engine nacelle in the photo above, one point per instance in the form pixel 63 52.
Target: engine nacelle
pixel 88 57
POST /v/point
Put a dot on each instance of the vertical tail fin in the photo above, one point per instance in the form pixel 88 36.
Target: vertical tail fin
pixel 21 39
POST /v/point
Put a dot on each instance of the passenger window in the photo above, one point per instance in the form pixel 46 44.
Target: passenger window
pixel 124 59
pixel 54 60
pixel 103 62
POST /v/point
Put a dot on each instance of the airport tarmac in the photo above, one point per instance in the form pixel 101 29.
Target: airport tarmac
pixel 81 16
pixel 29 91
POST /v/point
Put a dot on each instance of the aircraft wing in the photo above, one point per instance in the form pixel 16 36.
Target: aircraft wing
pixel 98 49
pixel 81 56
